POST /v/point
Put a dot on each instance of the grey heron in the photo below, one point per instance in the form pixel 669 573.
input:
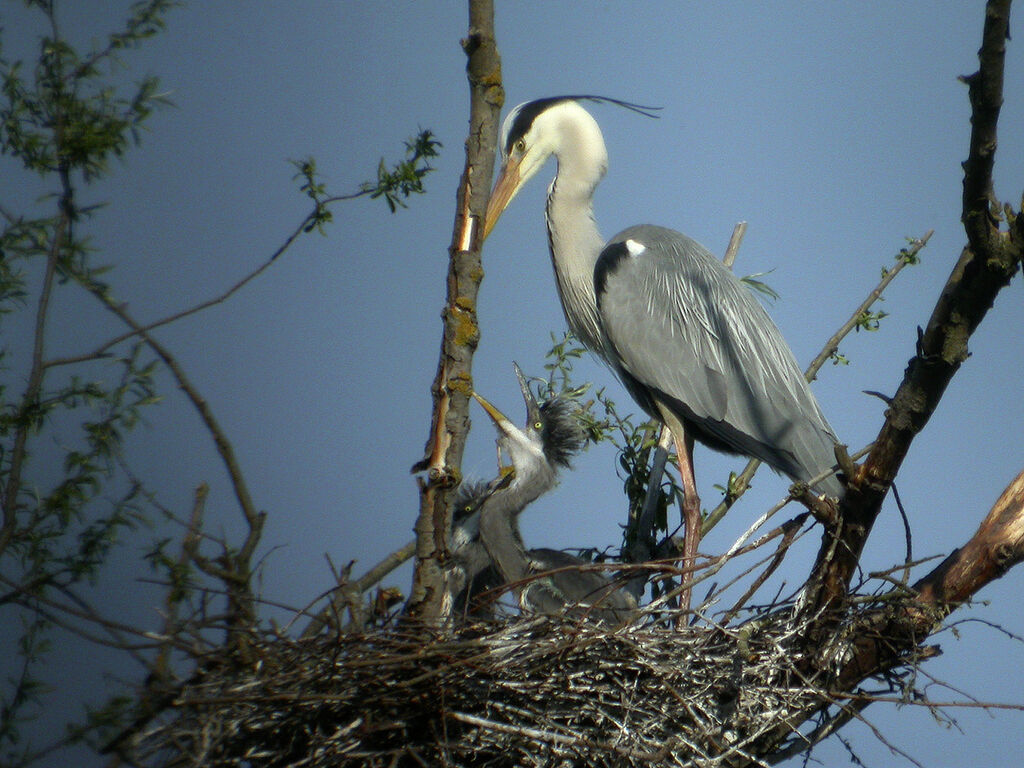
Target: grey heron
pixel 688 340
pixel 537 453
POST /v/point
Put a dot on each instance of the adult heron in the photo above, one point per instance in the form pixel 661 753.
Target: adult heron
pixel 546 580
pixel 688 340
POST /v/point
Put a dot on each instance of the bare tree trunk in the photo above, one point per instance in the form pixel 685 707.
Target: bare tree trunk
pixel 453 383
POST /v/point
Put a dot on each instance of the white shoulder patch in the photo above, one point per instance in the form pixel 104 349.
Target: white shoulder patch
pixel 635 248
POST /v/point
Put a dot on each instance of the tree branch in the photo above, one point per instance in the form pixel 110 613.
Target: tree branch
pixel 30 399
pixel 237 565
pixel 985 91
pixel 985 267
pixel 906 256
pixel 453 382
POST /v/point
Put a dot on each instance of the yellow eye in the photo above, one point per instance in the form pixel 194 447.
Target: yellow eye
pixel 519 147
pixel 537 425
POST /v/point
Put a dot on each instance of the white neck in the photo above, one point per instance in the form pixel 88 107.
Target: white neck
pixel 572 232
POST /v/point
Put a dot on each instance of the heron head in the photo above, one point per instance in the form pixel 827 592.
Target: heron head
pixel 531 133
pixel 559 126
pixel 523 447
pixel 552 435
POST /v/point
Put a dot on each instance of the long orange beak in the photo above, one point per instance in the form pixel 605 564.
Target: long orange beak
pixel 505 189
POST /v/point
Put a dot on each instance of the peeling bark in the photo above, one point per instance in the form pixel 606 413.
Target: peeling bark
pixel 453 383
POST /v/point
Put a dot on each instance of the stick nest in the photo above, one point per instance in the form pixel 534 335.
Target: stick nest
pixel 537 691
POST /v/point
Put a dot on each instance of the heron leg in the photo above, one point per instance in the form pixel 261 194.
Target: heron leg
pixel 691 501
pixel 691 511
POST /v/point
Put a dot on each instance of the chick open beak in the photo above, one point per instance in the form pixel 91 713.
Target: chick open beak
pixel 504 426
pixel 500 420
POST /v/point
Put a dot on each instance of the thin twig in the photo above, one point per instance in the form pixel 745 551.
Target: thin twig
pixel 832 345
pixel 25 422
pixel 236 567
pixel 102 349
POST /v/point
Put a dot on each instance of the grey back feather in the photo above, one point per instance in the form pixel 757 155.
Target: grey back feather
pixel 687 330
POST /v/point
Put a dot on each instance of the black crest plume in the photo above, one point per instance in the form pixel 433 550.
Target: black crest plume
pixel 529 111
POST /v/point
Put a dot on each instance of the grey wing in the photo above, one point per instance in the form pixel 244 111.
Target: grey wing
pixel 686 329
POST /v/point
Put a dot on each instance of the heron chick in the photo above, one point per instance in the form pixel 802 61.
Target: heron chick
pixel 537 453
pixel 552 427
pixel 689 341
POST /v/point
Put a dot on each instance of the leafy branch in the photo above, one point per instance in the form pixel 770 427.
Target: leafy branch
pixel 405 177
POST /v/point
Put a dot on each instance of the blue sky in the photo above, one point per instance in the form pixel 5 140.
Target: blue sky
pixel 835 130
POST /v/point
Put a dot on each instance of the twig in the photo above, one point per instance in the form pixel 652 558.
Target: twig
pixel 533 733
pixel 933 704
pixel 61 612
pixel 150 13
pixel 237 566
pixel 37 369
pixel 906 257
pixel 734 243
pixel 908 536
pixel 790 530
pixel 102 349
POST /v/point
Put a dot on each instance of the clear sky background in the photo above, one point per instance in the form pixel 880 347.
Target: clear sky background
pixel 835 130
